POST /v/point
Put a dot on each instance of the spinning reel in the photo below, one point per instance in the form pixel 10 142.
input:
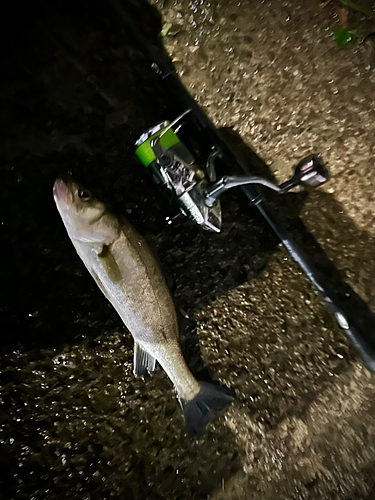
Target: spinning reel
pixel 196 187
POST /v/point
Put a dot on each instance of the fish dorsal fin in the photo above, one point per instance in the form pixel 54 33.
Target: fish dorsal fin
pixel 109 263
pixel 142 361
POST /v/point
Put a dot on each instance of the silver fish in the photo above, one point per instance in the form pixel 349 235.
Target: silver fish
pixel 124 268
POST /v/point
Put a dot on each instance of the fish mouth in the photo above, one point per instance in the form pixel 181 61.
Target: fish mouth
pixel 60 190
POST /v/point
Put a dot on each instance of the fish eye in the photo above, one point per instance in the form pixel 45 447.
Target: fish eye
pixel 84 194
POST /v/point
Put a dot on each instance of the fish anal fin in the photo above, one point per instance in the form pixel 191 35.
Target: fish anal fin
pixel 142 361
pixel 109 263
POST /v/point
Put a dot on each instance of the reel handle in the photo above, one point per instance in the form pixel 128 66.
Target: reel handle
pixel 309 172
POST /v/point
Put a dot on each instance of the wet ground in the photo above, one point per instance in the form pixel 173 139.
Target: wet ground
pixel 75 423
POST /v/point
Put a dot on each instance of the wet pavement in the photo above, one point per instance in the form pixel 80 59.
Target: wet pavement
pixel 75 423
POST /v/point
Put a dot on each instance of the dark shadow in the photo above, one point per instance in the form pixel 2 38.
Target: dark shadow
pixel 77 95
pixel 74 107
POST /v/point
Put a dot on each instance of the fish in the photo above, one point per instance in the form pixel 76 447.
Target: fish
pixel 126 271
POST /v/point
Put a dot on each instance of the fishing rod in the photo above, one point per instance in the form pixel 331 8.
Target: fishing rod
pixel 197 189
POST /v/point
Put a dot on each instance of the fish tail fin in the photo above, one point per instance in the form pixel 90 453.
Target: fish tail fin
pixel 198 412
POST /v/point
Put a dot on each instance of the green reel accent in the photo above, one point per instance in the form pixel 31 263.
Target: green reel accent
pixel 145 153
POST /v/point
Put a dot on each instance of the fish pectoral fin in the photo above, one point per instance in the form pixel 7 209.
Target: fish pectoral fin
pixel 109 263
pixel 99 282
pixel 142 361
